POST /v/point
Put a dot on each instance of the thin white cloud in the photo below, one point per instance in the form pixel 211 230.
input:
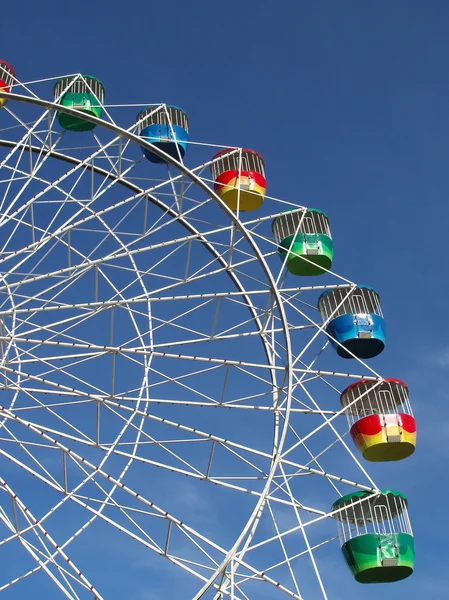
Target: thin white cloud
pixel 442 360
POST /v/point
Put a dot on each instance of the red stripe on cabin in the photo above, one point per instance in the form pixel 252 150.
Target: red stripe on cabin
pixel 368 426
pixel 228 176
pixel 408 423
pixel 373 424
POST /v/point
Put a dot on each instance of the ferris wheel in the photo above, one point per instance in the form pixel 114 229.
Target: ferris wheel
pixel 187 405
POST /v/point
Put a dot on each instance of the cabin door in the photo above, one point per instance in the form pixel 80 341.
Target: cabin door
pixel 363 320
pixel 312 245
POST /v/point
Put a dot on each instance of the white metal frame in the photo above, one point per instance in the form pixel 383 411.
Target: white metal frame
pixel 231 571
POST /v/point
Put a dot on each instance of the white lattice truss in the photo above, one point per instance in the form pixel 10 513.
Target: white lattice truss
pixel 153 349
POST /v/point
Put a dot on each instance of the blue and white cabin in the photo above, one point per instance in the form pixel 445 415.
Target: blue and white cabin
pixel 167 127
pixel 356 323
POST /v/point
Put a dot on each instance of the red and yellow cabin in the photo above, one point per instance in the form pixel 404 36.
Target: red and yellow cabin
pixel 7 78
pixel 239 178
pixel 381 420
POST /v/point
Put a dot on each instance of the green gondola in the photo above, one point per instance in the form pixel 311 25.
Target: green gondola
pixel 82 92
pixel 378 543
pixel 304 240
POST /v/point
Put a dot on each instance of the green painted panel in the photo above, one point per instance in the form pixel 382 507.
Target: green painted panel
pixel 88 103
pixel 380 558
pixel 302 244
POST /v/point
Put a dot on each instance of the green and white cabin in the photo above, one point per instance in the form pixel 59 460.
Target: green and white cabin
pixel 82 92
pixel 304 240
pixel 376 535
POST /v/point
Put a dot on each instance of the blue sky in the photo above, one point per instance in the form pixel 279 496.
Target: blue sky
pixel 347 102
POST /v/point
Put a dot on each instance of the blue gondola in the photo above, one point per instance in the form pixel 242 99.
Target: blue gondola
pixel 356 321
pixel 167 127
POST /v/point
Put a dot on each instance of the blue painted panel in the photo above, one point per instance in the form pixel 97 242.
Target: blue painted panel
pixel 162 137
pixel 347 330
